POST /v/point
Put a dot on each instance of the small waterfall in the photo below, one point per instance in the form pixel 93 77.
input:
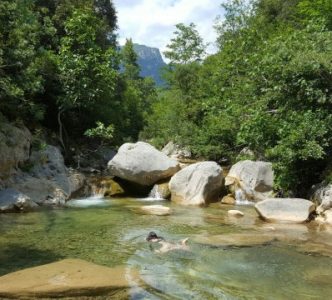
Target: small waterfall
pixel 241 198
pixel 97 192
pixel 155 193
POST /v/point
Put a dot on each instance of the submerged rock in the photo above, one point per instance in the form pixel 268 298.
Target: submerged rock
pixel 235 213
pixel 142 163
pixel 236 240
pixel 66 278
pixel 285 209
pixel 12 201
pixel 158 210
pixel 197 184
pixel 250 180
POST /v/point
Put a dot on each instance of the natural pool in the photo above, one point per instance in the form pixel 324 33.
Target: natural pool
pixel 291 262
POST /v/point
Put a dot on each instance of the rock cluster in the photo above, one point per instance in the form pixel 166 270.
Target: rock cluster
pixel 32 179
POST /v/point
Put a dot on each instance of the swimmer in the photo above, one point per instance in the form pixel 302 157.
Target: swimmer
pixel 167 246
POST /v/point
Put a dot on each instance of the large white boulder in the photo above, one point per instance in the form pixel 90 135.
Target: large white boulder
pixel 291 210
pixel 251 180
pixel 142 163
pixel 197 184
pixel 12 200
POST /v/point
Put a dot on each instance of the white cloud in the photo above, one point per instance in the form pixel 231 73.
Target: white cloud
pixel 152 22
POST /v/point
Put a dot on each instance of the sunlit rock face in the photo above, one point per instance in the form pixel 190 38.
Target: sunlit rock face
pixel 325 217
pixel 197 184
pixel 250 180
pixel 65 278
pixel 291 210
pixel 150 62
pixel 322 196
pixel 142 163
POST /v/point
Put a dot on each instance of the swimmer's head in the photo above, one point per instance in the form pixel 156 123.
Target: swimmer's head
pixel 153 237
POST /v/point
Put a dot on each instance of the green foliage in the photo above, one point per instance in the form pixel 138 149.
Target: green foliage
pixel 129 61
pixel 318 10
pixel 86 70
pixel 138 93
pixel 59 67
pixel 186 46
pixel 101 131
pixel 268 89
pixel 19 78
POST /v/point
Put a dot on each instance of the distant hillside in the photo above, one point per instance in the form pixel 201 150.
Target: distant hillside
pixel 150 61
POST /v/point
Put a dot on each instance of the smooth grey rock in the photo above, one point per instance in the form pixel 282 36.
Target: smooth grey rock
pixel 322 195
pixel 197 184
pixel 14 148
pixel 49 164
pixel 48 182
pixel 175 151
pixel 292 210
pixel 142 163
pixel 12 200
pixel 42 191
pixel 250 180
pixel 76 181
pixel 235 213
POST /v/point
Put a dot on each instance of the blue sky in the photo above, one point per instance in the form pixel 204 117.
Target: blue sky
pixel 152 22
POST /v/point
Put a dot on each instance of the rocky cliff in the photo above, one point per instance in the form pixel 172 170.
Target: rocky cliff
pixel 150 61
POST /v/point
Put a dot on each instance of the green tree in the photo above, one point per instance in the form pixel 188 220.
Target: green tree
pixel 88 72
pixel 129 61
pixel 186 46
pixel 19 78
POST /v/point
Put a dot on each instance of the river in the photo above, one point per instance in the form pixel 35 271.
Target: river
pixel 230 257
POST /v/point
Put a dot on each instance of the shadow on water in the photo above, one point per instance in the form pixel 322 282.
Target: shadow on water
pixel 15 257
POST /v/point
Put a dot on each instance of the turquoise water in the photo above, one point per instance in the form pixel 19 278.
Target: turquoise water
pixel 295 262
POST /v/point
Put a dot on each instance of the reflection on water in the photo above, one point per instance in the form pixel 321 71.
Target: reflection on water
pixel 112 232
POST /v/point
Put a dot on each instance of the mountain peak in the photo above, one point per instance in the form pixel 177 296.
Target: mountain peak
pixel 150 62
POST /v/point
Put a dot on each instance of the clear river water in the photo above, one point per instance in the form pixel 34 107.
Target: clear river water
pixel 230 257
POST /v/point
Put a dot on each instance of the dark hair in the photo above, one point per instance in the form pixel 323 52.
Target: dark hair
pixel 152 235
